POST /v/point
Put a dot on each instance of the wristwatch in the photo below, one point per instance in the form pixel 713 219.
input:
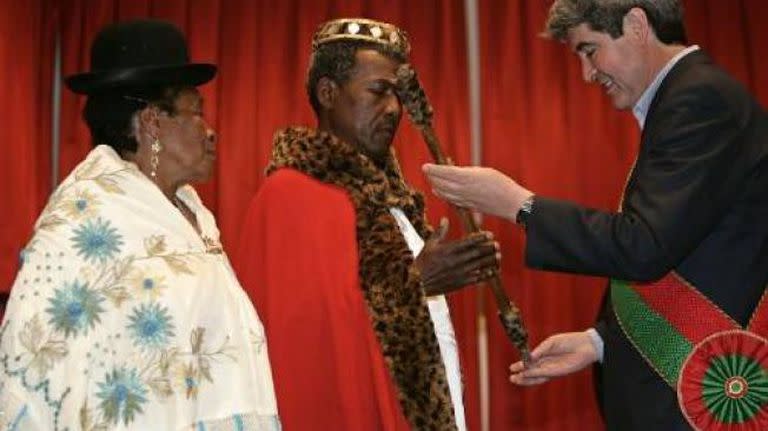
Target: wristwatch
pixel 526 209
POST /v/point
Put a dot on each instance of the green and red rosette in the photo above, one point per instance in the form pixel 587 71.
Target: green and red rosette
pixel 723 383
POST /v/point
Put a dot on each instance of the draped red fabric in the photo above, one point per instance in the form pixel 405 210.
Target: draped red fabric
pixel 562 138
pixel 541 124
pixel 26 52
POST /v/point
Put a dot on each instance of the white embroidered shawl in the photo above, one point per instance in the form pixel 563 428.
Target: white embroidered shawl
pixel 123 317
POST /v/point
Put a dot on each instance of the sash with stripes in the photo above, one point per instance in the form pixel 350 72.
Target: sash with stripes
pixel 718 368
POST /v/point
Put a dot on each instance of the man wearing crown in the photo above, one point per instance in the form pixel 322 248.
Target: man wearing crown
pixel 333 252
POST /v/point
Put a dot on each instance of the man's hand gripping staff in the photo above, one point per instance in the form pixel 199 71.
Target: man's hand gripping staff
pixel 413 98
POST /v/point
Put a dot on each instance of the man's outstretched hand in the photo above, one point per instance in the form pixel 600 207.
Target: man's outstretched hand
pixel 557 356
pixel 449 265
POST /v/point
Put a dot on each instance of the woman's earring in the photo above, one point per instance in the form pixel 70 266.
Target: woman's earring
pixel 154 161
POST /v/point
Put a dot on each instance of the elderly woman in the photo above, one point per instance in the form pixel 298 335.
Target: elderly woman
pixel 126 313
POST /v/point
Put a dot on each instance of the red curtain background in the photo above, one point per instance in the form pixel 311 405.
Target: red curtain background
pixel 541 124
pixel 26 77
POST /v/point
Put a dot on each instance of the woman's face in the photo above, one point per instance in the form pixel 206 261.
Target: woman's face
pixel 188 142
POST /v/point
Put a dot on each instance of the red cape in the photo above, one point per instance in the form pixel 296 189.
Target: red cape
pixel 298 262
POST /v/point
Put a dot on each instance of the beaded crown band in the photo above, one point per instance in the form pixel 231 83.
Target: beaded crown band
pixel 362 29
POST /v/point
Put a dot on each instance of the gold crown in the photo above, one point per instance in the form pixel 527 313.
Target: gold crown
pixel 362 29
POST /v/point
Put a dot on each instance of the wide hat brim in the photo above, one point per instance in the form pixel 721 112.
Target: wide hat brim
pixel 192 75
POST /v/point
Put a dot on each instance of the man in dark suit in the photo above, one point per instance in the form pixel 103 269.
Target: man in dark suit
pixel 690 240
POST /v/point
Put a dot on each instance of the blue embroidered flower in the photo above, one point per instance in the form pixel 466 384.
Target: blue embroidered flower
pixel 122 394
pixel 74 307
pixel 96 240
pixel 150 326
pixel 82 204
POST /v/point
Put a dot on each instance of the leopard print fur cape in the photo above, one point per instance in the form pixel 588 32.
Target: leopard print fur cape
pixel 392 289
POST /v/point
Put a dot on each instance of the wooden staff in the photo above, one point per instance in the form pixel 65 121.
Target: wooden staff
pixel 412 96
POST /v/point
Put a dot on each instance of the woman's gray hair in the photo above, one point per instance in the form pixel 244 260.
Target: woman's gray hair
pixel 607 16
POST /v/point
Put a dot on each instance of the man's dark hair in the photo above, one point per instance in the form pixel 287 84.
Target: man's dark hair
pixel 664 16
pixel 109 114
pixel 335 61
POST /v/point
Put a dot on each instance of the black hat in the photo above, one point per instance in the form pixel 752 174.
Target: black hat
pixel 139 53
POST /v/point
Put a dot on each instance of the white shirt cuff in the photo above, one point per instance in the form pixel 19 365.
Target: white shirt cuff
pixel 597 342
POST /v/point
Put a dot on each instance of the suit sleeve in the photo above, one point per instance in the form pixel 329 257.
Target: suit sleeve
pixel 684 182
pixel 298 262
